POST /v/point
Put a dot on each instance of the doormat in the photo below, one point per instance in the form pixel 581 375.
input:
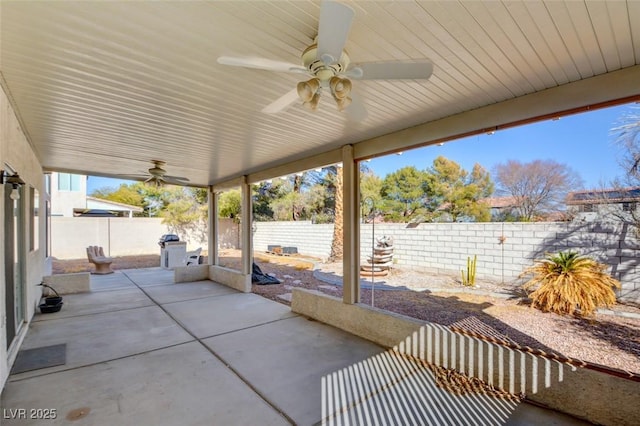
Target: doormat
pixel 37 358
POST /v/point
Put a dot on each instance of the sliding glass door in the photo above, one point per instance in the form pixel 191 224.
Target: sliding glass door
pixel 13 263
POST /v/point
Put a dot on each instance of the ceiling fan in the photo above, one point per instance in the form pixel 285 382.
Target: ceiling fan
pixel 157 176
pixel 330 68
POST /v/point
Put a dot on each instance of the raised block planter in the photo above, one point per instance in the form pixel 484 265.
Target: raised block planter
pixel 230 278
pixel 185 274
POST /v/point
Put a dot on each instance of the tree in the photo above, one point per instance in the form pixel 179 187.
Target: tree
pixel 337 242
pixel 151 198
pixel 627 137
pixel 262 195
pixel 230 204
pixel 403 193
pixel 456 192
pixel 185 212
pixel 537 187
pixel 125 194
pixel 370 187
pixel 288 207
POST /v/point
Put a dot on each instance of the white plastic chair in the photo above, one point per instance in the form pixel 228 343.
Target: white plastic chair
pixel 193 257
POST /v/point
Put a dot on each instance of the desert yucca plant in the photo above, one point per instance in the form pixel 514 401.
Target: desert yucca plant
pixel 565 282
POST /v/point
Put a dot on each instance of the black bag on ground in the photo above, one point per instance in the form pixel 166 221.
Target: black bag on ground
pixel 260 278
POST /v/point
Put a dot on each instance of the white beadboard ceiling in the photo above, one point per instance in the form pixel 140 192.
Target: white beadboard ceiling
pixel 105 87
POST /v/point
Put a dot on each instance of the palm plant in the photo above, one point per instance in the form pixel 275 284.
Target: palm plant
pixel 566 281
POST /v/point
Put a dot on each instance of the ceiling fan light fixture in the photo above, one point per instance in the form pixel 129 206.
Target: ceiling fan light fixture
pixel 155 182
pixel 313 103
pixel 343 103
pixel 340 87
pixel 307 90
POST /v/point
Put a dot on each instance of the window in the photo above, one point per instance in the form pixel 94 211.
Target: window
pixel 587 208
pixel 628 207
pixel 69 182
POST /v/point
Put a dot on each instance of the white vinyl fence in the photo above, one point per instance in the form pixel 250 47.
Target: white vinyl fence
pixel 70 236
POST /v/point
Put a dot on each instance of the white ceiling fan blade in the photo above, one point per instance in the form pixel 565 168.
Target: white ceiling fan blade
pixel 282 103
pixel 392 70
pixel 176 178
pixel 356 111
pixel 333 30
pixel 260 64
pixel 132 177
pixel 175 181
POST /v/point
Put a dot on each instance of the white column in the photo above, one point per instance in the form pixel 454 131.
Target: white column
pixel 351 227
pixel 213 226
pixel 245 223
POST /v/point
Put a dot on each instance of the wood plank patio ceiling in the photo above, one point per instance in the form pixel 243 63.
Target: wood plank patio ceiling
pixel 105 87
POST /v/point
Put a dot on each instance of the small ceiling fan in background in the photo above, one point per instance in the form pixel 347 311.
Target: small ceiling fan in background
pixel 330 68
pixel 157 176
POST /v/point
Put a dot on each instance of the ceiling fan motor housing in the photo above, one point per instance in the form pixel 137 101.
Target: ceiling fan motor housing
pixel 157 169
pixel 318 68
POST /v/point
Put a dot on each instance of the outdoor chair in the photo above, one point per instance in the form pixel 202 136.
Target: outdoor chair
pixel 95 254
pixel 193 257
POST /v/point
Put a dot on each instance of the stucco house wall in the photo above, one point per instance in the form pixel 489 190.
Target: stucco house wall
pixel 63 201
pixel 16 153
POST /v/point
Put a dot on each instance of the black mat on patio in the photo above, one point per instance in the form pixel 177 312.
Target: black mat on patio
pixel 36 358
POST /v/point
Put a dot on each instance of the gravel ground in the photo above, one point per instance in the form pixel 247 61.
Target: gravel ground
pixel 609 340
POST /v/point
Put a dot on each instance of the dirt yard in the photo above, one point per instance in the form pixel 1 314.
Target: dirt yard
pixel 612 340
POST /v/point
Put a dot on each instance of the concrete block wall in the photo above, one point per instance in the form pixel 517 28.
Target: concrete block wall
pixel 504 250
pixel 310 239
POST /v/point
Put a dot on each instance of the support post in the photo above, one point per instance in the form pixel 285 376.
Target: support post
pixel 351 227
pixel 213 227
pixel 246 222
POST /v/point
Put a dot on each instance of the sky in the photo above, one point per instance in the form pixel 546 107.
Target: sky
pixel 583 141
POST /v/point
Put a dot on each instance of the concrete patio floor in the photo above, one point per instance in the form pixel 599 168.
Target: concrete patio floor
pixel 142 350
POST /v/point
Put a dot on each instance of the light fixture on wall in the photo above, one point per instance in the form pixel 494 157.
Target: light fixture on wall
pixel 14 180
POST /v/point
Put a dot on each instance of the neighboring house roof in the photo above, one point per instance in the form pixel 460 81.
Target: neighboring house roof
pixel 604 196
pixel 494 203
pixel 500 202
pixel 553 217
pixel 101 204
pixel 95 213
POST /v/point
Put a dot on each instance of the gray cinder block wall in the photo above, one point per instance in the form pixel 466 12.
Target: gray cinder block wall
pixel 503 249
pixel 310 239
